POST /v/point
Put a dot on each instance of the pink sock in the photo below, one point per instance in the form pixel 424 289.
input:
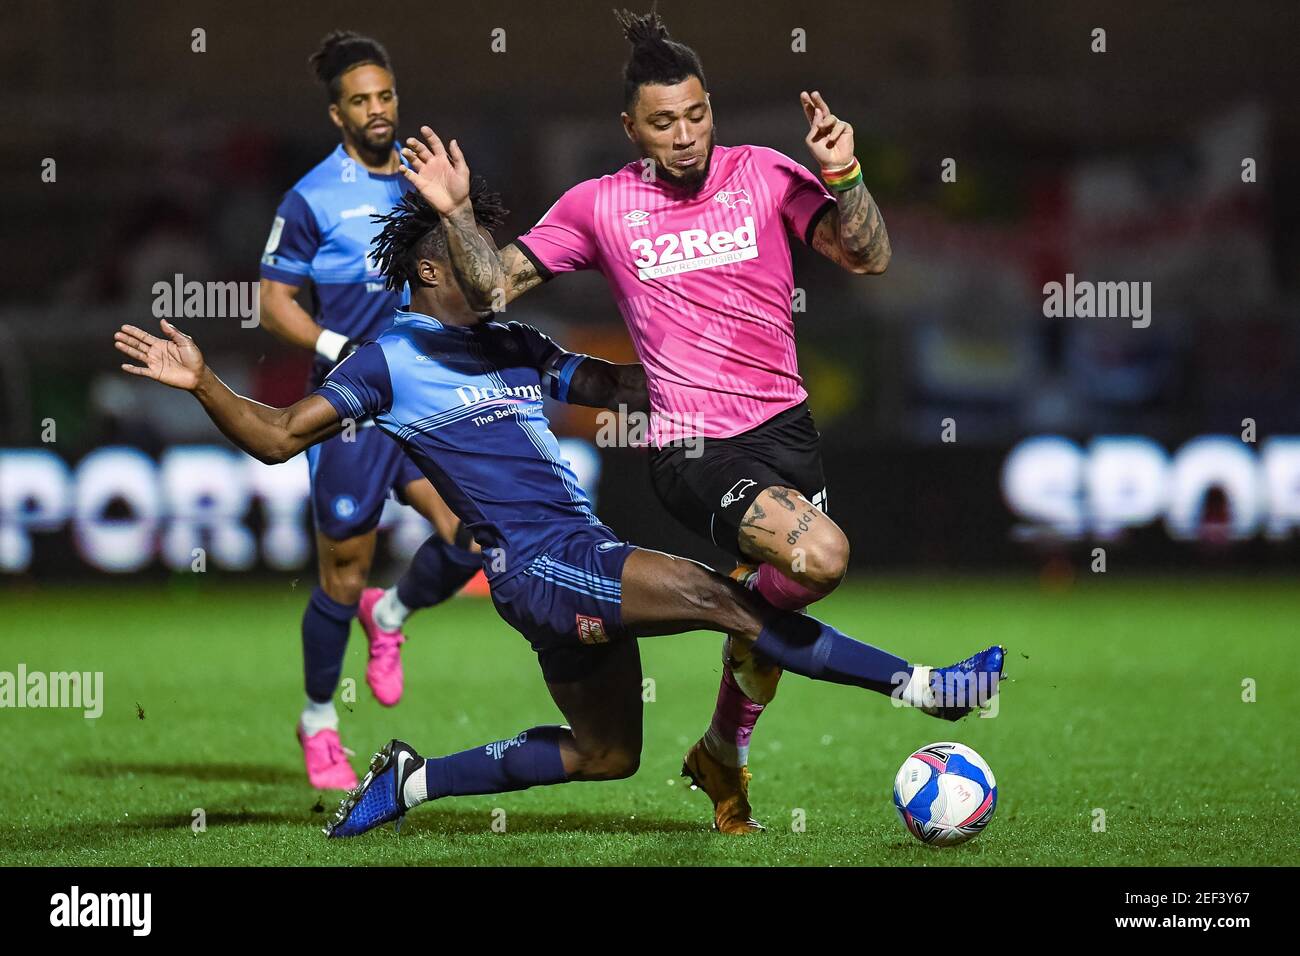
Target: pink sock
pixel 734 718
pixel 780 591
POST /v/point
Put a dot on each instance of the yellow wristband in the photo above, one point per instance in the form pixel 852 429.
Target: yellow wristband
pixel 844 178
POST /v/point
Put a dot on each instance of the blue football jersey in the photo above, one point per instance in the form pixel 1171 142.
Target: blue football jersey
pixel 466 404
pixel 322 232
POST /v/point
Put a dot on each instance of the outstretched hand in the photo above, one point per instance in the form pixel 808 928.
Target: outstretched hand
pixel 440 174
pixel 829 139
pixel 174 361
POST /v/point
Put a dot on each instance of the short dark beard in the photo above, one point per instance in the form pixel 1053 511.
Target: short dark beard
pixel 371 155
pixel 692 180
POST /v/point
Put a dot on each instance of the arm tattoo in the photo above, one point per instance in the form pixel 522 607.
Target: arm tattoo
pixel 853 234
pixel 476 263
pixel 521 275
pixel 600 384
pixel 632 389
pixel 592 385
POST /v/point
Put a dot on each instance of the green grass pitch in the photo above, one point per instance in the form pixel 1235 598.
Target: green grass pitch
pixel 1124 696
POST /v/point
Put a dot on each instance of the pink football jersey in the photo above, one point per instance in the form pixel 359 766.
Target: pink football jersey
pixel 704 281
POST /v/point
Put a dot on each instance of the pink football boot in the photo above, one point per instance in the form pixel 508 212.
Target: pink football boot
pixel 384 669
pixel 327 761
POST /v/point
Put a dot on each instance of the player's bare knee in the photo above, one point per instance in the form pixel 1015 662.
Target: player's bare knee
pixel 623 763
pixel 823 559
pixel 345 582
pixel 610 762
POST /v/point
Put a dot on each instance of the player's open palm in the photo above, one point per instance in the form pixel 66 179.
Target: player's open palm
pixel 174 361
pixel 439 173
pixel 829 139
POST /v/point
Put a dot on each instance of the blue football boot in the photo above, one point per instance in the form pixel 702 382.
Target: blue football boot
pixel 378 798
pixel 962 687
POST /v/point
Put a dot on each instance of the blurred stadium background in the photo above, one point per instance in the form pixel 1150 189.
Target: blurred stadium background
pixel 1125 165
pixel 1071 434
pixel 1117 166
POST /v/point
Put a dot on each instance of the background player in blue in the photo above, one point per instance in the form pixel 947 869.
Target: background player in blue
pixel 322 233
pixel 464 397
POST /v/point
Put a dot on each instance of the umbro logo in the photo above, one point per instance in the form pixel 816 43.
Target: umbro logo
pixel 365 210
pixel 734 198
pixel 637 217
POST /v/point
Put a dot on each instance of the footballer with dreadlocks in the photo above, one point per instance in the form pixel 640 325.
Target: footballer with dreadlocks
pixel 463 397
pixel 694 241
pixel 321 234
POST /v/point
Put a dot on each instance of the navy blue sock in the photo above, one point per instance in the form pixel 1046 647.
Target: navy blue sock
pixel 437 571
pixel 807 646
pixel 325 626
pixel 528 760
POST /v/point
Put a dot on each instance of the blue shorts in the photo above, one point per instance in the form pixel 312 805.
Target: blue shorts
pixel 350 481
pixel 568 602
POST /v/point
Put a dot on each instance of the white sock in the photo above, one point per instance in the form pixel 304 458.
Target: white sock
pixel 725 751
pixel 918 692
pixel 390 612
pixel 415 791
pixel 317 717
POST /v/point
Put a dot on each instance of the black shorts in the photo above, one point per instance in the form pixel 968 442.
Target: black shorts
pixel 710 485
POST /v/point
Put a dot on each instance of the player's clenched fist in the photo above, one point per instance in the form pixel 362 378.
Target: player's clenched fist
pixel 829 139
pixel 174 361
pixel 439 173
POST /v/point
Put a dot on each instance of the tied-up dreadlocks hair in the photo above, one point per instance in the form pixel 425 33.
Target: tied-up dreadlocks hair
pixel 656 58
pixel 413 231
pixel 340 51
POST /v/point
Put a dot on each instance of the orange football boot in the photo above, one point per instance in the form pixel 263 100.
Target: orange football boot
pixel 727 787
